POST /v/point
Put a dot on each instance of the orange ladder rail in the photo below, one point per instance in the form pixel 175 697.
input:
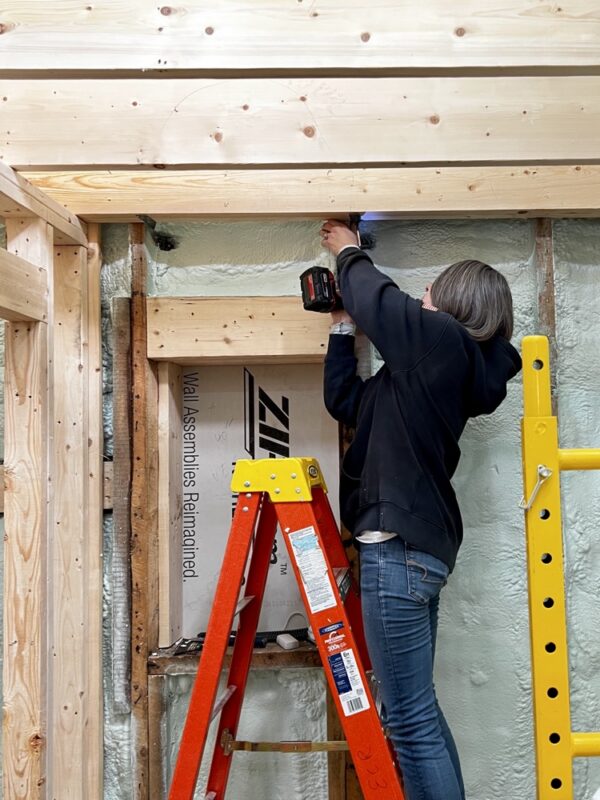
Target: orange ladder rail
pixel 290 492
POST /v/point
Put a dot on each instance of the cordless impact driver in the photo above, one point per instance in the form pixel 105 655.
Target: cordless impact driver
pixel 318 284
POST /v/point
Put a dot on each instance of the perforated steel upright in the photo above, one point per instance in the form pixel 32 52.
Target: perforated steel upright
pixel 555 743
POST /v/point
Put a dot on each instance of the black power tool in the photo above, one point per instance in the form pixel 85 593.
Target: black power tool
pixel 319 291
pixel 319 288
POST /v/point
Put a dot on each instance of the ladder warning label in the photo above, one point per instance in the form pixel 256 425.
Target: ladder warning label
pixel 349 684
pixel 313 569
pixel 344 669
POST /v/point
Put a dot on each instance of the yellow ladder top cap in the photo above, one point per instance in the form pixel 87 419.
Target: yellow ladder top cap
pixel 286 480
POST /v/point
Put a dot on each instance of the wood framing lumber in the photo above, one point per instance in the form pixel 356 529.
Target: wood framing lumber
pixel 235 330
pixel 170 499
pixel 19 199
pixel 108 485
pixel 336 762
pixel 76 607
pixel 144 516
pixel 158 746
pixel 353 790
pixel 303 121
pixel 26 745
pixel 399 192
pixel 23 289
pixel 121 556
pixel 93 565
pixel 275 35
pixel 546 311
pixel 107 493
pixel 544 251
pixel 269 657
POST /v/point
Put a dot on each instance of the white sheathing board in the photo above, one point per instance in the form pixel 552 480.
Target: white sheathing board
pixel 245 412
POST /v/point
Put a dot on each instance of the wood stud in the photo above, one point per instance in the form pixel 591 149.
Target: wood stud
pixel 170 500
pixel 144 516
pixel 27 400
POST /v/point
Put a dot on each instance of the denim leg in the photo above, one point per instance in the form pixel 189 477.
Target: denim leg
pixel 446 732
pixel 397 585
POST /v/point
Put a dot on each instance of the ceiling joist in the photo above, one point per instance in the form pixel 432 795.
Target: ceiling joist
pixel 293 121
pixel 501 191
pixel 297 35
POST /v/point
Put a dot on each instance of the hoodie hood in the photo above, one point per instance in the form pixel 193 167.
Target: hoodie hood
pixel 496 362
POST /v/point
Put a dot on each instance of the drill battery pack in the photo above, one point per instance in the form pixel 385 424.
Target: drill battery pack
pixel 319 292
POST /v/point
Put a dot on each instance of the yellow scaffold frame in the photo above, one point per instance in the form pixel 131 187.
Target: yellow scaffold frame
pixel 555 743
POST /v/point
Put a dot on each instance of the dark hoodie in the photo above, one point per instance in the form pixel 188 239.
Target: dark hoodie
pixel 410 415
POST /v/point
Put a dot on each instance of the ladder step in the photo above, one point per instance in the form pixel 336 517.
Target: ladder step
pixel 221 700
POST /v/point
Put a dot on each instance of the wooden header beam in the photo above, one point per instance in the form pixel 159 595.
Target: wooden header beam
pixel 235 330
pixel 559 191
pixel 273 35
pixel 293 121
pixel 23 289
pixel 19 199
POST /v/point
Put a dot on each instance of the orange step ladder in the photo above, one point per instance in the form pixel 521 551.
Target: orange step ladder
pixel 291 492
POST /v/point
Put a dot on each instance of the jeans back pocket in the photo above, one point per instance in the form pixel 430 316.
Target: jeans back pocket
pixel 426 575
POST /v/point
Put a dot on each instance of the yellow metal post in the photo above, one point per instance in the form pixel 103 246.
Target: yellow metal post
pixel 547 613
pixel 555 744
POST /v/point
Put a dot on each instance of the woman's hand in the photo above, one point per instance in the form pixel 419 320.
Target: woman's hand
pixel 335 235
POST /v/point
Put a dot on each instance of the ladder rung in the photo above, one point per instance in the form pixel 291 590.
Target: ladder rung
pixel 221 700
pixel 210 796
pixel 245 601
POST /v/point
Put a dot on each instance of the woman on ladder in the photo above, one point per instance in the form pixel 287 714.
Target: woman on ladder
pixel 446 358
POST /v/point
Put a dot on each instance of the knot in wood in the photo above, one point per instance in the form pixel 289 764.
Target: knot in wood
pixel 36 742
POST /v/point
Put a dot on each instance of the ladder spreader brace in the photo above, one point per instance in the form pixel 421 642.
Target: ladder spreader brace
pixel 291 492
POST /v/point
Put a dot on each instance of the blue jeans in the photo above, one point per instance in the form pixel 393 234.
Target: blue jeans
pixel 400 589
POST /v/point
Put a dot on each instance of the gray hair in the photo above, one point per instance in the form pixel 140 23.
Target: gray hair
pixel 478 296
